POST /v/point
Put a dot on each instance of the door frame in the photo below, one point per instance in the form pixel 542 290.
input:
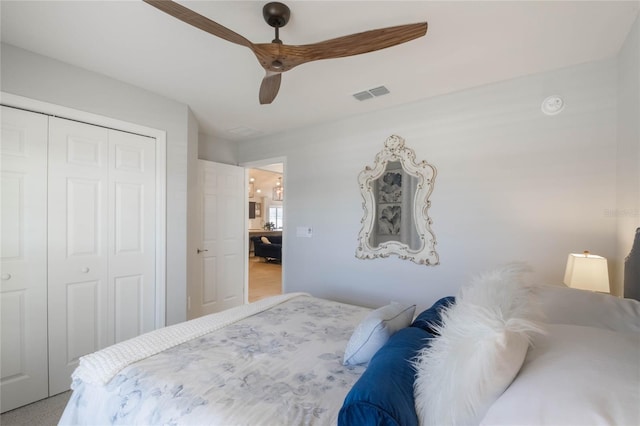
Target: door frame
pixel 21 102
pixel 256 164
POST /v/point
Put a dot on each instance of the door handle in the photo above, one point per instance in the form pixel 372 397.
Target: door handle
pixel 200 251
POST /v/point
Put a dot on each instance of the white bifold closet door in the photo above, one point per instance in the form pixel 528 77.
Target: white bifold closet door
pixel 101 238
pixel 23 285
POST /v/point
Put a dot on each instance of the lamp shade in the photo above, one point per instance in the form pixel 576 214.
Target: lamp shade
pixel 588 272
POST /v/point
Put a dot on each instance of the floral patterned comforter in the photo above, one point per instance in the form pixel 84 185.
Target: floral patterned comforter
pixel 282 366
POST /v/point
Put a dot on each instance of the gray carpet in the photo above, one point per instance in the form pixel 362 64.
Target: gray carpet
pixel 45 412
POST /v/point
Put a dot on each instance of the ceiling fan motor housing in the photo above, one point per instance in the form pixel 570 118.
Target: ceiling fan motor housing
pixel 276 14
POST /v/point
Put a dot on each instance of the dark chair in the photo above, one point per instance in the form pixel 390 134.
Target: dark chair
pixel 272 251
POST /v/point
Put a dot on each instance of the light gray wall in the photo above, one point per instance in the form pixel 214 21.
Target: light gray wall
pixel 512 184
pixel 37 77
pixel 627 212
pixel 216 149
pixel 193 193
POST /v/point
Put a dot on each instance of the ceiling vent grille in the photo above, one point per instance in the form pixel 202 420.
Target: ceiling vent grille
pixel 379 91
pixel 370 93
pixel 243 131
pixel 362 96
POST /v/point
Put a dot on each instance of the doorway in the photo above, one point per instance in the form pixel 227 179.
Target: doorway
pixel 265 229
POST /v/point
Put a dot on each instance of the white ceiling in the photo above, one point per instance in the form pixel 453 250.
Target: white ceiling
pixel 467 44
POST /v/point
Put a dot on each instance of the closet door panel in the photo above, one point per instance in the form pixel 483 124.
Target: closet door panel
pixel 78 241
pixel 84 217
pixel 131 235
pixel 82 321
pixel 23 278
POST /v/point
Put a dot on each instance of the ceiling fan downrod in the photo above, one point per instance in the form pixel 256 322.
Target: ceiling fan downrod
pixel 277 39
pixel 277 15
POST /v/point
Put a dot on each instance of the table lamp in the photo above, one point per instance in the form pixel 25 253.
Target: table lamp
pixel 588 272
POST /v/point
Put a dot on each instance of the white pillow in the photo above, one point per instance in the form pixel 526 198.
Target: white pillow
pixel 374 331
pixel 564 305
pixel 265 240
pixel 574 375
pixel 483 341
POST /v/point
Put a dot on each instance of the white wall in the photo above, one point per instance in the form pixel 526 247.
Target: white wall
pixel 512 184
pixel 192 200
pixel 627 210
pixel 216 149
pixel 34 76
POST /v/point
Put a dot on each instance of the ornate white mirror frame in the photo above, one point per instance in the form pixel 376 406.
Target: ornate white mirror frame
pixel 406 198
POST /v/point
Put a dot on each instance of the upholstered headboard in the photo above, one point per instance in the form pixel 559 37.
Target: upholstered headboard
pixel 632 270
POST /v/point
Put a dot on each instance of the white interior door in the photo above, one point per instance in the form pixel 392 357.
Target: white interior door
pixel 23 284
pixel 78 246
pixel 219 279
pixel 131 233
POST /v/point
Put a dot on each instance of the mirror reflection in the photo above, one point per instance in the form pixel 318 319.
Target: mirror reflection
pixel 394 191
pixel 396 201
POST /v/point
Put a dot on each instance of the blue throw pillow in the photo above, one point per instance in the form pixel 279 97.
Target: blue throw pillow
pixel 384 393
pixel 427 319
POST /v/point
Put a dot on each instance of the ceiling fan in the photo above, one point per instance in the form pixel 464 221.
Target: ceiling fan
pixel 276 57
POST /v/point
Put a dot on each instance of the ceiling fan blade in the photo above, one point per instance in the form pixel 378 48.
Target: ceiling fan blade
pixel 277 57
pixel 269 87
pixel 356 44
pixel 192 18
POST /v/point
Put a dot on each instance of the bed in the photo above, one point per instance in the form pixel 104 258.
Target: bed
pixel 299 360
pixel 278 363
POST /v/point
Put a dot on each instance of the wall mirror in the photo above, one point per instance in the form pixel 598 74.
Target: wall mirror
pixel 396 205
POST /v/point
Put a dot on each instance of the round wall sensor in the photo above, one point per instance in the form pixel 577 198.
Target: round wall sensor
pixel 552 105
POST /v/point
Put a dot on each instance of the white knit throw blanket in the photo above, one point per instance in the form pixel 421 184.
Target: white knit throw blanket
pixel 100 367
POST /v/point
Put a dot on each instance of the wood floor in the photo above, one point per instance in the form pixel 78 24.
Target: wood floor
pixel 265 278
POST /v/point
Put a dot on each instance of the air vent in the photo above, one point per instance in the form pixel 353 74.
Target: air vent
pixel 361 96
pixel 370 93
pixel 243 131
pixel 379 91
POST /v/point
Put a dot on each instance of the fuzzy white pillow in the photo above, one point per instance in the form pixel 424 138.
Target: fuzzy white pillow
pixel 483 341
pixel 265 240
pixel 374 331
